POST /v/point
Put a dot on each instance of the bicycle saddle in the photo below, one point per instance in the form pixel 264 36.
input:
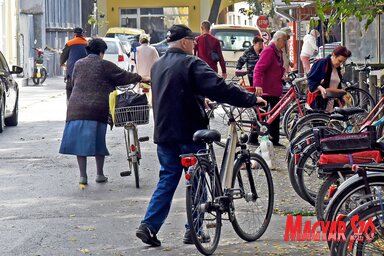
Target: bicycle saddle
pixel 335 93
pixel 339 117
pixel 206 136
pixel 348 111
pixel 240 72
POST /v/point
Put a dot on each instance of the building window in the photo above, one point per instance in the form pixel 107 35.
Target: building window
pixel 155 21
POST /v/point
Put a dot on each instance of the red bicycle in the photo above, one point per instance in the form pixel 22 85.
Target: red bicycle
pixel 291 105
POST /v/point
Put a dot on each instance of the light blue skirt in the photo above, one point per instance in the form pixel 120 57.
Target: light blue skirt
pixel 84 138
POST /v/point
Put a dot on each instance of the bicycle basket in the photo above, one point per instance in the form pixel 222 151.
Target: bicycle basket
pixel 135 114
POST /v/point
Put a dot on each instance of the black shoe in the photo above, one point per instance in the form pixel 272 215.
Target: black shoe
pixel 278 145
pixel 146 235
pixel 188 239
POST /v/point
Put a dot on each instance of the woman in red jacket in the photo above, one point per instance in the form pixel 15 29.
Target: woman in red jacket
pixel 267 78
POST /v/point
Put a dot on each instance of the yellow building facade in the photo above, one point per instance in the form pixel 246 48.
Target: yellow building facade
pixel 156 15
pixel 8 30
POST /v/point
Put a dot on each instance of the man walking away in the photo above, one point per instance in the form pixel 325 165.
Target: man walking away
pixel 73 51
pixel 180 82
pixel 205 45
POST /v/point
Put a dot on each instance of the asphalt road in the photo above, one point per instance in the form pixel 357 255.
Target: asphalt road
pixel 44 212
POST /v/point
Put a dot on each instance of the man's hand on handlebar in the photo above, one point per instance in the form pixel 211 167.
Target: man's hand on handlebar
pixel 145 79
pixel 258 91
pixel 261 101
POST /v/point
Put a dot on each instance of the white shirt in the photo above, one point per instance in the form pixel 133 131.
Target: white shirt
pixel 146 55
pixel 309 46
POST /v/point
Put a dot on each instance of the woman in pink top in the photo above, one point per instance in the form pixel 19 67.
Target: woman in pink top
pixel 267 78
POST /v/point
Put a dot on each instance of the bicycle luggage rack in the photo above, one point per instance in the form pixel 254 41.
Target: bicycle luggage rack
pixel 136 114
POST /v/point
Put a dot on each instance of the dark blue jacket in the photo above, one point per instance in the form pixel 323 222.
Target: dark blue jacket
pixel 180 82
pixel 320 74
pixel 73 51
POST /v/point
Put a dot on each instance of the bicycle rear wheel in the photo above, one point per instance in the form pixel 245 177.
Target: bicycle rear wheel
pixel 204 216
pixel 362 246
pixel 252 199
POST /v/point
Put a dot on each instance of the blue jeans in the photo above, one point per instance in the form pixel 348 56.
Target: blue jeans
pixel 170 173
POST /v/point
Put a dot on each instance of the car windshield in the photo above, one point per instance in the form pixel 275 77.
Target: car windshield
pixel 235 40
pixel 112 48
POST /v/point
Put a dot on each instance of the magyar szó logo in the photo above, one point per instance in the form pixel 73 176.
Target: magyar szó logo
pixel 327 230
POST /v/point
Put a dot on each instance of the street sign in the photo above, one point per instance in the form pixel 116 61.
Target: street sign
pixel 262 22
pixel 266 36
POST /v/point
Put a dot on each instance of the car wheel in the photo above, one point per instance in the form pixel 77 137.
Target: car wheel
pixel 2 114
pixel 13 120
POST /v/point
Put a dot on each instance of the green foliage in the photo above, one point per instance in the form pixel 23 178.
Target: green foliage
pixel 340 10
pixel 258 7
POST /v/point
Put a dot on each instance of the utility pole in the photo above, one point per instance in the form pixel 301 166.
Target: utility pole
pixel 214 11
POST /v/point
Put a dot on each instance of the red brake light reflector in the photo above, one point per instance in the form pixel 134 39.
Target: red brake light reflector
pixel 188 161
pixel 120 58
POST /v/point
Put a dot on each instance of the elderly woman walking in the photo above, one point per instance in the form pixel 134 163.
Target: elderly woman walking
pixel 87 114
pixel 267 78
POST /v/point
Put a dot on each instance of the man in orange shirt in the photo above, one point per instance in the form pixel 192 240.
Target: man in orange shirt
pixel 73 51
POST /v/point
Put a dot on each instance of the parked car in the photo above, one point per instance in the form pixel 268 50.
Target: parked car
pixel 9 94
pixel 161 47
pixel 234 40
pixel 116 53
pixel 129 37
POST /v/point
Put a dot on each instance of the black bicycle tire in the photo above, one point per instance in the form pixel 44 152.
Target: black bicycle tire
pixel 35 80
pixel 337 201
pixel 342 248
pixel 306 119
pixel 135 166
pixel 237 174
pixel 372 102
pixel 44 74
pixel 287 113
pixel 190 218
pixel 320 202
pixel 307 194
pixel 293 179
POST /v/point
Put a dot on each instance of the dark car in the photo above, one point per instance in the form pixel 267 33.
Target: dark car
pixel 161 47
pixel 9 94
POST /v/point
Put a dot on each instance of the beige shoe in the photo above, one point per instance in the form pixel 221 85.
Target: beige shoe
pixel 101 179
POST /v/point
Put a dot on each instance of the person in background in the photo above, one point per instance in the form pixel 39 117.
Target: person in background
pixel 309 49
pixel 267 76
pixel 205 44
pixel 250 57
pixel 180 82
pixel 146 55
pixel 326 73
pixel 73 51
pixel 88 108
pixel 287 63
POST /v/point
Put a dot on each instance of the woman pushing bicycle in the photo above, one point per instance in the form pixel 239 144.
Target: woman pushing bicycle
pixel 87 114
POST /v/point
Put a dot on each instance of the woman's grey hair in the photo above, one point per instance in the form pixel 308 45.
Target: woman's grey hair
pixel 279 34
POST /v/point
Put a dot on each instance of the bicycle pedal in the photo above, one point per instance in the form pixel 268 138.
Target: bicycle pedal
pixel 142 139
pixel 126 173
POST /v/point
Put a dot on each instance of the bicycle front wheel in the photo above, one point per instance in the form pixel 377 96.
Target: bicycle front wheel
pixel 253 195
pixel 203 214
pixel 43 75
pixel 135 167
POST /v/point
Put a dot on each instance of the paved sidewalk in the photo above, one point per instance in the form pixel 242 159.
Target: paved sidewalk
pixel 43 211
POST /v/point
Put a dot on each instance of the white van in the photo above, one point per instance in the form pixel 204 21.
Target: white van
pixel 234 40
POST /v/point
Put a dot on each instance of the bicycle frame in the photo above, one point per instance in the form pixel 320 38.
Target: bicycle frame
pixel 373 115
pixel 290 96
pixel 133 147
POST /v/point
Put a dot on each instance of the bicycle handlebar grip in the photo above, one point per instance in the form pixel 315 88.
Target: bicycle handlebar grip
pixel 126 173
